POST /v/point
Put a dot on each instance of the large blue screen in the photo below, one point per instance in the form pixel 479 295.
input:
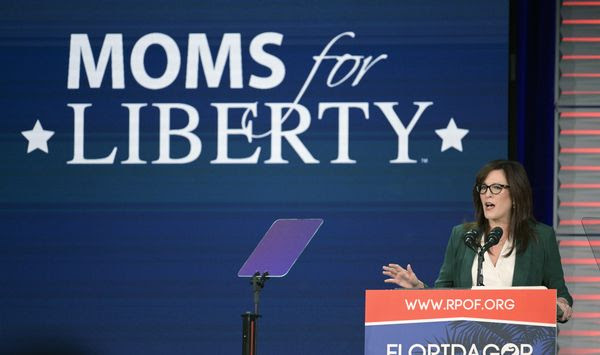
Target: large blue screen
pixel 148 145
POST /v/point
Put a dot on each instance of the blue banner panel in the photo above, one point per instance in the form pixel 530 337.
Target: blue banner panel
pixel 147 147
pixel 460 337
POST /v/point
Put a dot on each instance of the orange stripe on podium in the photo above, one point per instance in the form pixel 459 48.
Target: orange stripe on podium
pixel 516 305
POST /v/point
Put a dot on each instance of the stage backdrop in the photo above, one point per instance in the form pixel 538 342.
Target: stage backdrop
pixel 148 145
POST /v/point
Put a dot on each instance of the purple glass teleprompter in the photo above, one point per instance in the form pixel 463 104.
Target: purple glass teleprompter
pixel 280 247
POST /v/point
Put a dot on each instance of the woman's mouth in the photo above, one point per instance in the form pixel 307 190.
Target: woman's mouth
pixel 489 206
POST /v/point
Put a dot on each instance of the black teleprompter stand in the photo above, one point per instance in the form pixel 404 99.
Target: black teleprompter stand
pixel 273 257
pixel 249 320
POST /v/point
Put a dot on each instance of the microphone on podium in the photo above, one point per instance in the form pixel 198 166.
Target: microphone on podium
pixel 470 239
pixel 493 238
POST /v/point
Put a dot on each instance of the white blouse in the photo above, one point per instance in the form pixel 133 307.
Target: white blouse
pixel 500 275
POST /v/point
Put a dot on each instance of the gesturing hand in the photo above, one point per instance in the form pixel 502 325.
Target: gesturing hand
pixel 402 277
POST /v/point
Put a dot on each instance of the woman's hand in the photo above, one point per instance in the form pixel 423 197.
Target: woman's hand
pixel 564 306
pixel 402 277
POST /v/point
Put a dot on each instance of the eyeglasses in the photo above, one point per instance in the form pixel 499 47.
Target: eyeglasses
pixel 494 188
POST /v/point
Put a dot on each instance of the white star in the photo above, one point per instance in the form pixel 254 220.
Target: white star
pixel 37 138
pixel 452 136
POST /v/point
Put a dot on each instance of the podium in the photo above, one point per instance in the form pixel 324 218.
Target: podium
pixel 460 321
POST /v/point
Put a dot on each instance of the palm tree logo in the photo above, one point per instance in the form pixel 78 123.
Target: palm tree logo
pixel 469 333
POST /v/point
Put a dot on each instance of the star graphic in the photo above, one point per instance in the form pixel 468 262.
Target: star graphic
pixel 37 138
pixel 452 136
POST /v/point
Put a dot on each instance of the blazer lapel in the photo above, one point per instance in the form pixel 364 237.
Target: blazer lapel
pixel 466 266
pixel 522 265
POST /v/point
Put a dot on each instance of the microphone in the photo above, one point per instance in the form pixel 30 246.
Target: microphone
pixel 492 239
pixel 470 238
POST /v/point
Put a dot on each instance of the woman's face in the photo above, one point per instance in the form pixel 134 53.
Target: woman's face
pixel 496 207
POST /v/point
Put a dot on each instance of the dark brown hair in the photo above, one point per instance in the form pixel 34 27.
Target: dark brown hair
pixel 521 215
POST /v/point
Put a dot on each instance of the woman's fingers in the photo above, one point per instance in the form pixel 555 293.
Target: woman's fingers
pixel 567 312
pixel 394 272
pixel 564 306
pixel 397 275
pixel 394 269
pixel 401 283
pixel 389 273
pixel 400 276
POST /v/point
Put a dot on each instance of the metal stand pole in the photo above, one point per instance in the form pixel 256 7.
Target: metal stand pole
pixel 249 333
pixel 249 320
pixel 480 267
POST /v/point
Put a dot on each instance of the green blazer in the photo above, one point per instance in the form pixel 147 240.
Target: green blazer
pixel 538 265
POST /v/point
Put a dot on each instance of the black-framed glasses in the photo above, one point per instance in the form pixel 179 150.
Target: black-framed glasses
pixel 494 188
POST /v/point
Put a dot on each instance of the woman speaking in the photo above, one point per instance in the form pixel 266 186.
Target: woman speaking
pixel 526 254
